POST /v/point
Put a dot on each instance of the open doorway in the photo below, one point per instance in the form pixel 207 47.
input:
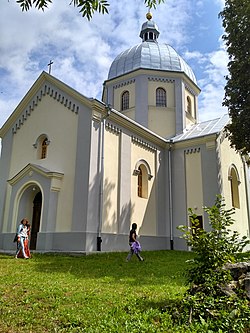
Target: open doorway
pixel 35 226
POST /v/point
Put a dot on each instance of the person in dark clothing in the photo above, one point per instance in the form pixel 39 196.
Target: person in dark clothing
pixel 135 247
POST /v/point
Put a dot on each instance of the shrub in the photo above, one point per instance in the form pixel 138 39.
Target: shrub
pixel 205 302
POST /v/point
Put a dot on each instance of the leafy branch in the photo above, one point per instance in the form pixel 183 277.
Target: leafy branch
pixel 86 7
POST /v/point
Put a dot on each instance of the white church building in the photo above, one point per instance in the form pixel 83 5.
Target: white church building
pixel 83 170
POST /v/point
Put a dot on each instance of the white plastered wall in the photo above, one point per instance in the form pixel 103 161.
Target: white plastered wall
pixel 111 182
pixel 118 94
pixel 230 157
pixel 60 125
pixel 190 119
pixel 161 120
pixel 144 212
pixel 194 186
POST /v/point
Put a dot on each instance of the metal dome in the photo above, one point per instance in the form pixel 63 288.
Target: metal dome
pixel 150 55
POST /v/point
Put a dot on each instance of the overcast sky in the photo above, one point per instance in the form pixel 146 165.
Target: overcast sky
pixel 83 51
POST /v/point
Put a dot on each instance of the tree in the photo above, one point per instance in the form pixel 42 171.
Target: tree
pixel 236 22
pixel 86 7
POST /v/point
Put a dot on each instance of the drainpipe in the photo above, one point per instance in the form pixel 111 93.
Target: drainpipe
pixel 103 122
pixel 170 194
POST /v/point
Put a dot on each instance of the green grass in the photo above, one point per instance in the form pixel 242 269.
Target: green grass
pixel 94 294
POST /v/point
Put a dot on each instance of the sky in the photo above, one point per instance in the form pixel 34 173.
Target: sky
pixel 82 51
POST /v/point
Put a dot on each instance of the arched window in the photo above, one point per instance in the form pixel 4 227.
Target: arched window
pixel 139 183
pixel 125 101
pixel 189 105
pixel 143 172
pixel 161 97
pixel 234 179
pixel 142 182
pixel 41 145
pixel 44 149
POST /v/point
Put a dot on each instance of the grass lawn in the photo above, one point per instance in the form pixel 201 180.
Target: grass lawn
pixel 94 294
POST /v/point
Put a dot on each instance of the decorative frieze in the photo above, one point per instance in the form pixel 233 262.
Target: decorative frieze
pixel 142 143
pixel 112 128
pixel 125 83
pixel 160 79
pixel 190 90
pixel 45 90
pixel 192 150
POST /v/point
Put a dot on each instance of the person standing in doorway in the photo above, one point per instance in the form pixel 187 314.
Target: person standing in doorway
pixel 135 247
pixel 22 238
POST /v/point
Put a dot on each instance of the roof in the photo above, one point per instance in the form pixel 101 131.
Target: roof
pixel 202 129
pixel 149 54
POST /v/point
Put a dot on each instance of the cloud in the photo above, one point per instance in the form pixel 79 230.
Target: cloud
pixel 212 85
pixel 83 51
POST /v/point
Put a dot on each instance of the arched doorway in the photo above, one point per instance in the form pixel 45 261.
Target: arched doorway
pixel 37 205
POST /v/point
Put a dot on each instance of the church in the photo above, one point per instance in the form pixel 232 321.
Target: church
pixel 83 170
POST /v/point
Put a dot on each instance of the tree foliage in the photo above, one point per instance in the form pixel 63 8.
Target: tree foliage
pixel 205 303
pixel 236 22
pixel 213 248
pixel 86 7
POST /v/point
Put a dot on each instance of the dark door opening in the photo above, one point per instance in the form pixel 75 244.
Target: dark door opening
pixel 35 226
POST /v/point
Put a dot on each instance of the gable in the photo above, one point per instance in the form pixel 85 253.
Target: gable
pixel 45 85
pixel 30 170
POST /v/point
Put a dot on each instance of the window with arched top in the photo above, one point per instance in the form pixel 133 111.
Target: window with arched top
pixel 161 97
pixel 44 148
pixel 189 105
pixel 125 100
pixel 235 182
pixel 142 182
pixel 139 182
pixel 41 145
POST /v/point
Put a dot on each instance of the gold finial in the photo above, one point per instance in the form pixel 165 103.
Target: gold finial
pixel 149 16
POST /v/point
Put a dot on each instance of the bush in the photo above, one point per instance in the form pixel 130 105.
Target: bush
pixel 205 302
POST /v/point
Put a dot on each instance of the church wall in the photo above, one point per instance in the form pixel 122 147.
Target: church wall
pixel 4 172
pixel 61 150
pixel 168 85
pixel 130 113
pixel 144 213
pixel 179 196
pixel 94 178
pixel 194 186
pixel 85 142
pixel 111 182
pixel 118 91
pixel 125 206
pixel 195 183
pixel 161 120
pixel 117 196
pixel 210 171
pixel 179 105
pixel 210 174
pixel 228 157
pixel 141 100
pixel 162 193
pixel 192 100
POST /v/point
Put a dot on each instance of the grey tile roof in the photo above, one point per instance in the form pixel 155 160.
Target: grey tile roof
pixel 203 129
